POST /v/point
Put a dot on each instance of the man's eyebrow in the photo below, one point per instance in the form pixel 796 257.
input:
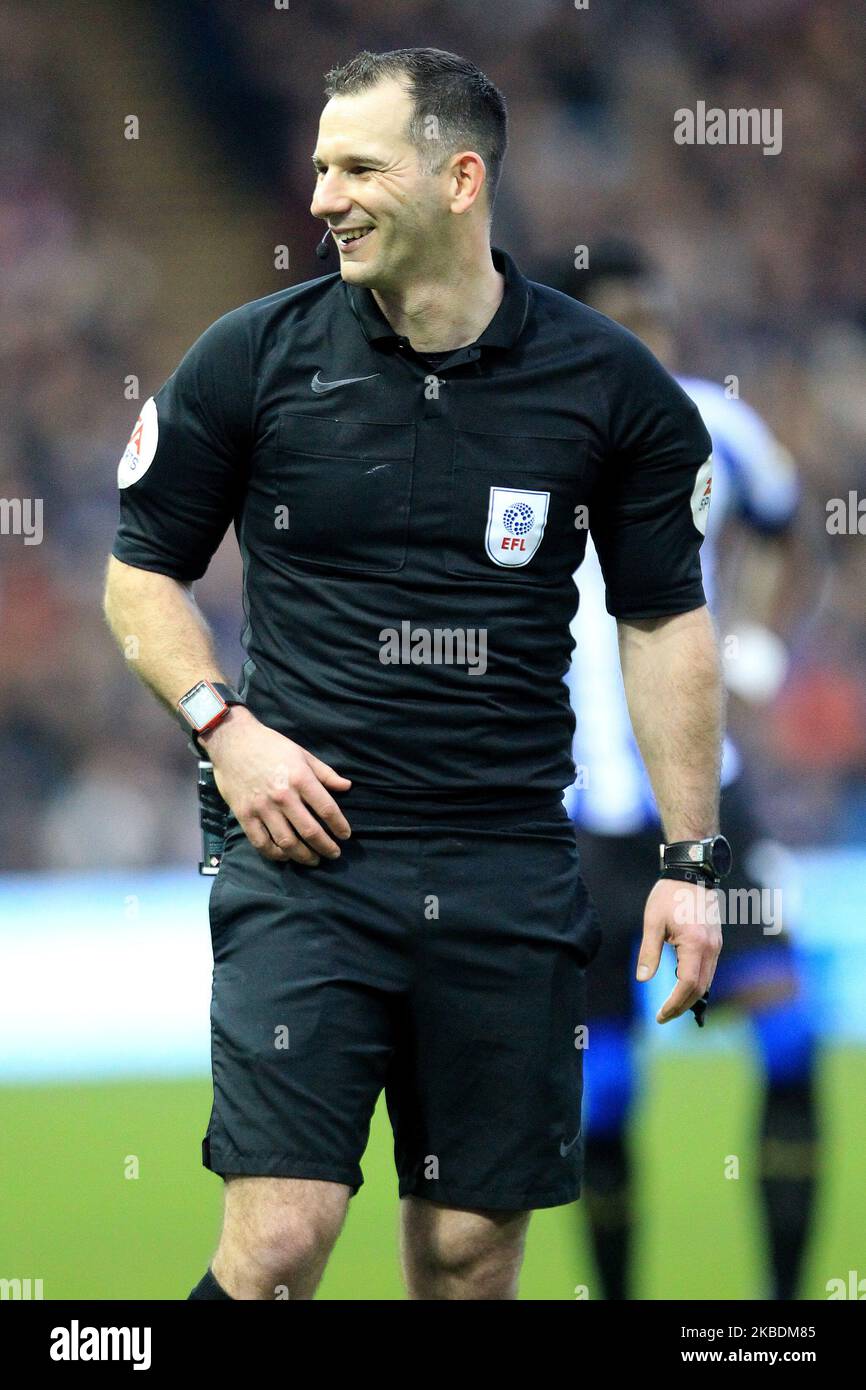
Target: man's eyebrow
pixel 369 160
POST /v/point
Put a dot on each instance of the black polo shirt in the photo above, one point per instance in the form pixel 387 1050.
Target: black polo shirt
pixel 409 534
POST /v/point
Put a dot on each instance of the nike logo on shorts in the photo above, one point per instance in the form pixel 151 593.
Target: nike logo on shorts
pixel 565 1149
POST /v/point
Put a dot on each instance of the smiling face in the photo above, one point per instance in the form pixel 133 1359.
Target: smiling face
pixel 368 177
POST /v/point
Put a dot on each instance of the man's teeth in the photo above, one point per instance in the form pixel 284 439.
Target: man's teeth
pixel 353 236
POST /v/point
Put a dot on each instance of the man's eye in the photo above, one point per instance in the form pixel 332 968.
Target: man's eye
pixel 321 170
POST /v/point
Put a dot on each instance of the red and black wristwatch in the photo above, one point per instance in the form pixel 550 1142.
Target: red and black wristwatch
pixel 205 705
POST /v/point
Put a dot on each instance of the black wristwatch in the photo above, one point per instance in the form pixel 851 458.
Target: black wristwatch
pixel 696 861
pixel 204 706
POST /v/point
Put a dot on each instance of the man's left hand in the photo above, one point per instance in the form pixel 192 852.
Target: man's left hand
pixel 687 915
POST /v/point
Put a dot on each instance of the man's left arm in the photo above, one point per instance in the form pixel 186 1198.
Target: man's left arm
pixel 672 676
pixel 648 522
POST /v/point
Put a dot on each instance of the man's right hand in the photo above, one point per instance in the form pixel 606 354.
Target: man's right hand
pixel 273 786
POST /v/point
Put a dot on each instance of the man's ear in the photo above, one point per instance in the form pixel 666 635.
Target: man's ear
pixel 469 176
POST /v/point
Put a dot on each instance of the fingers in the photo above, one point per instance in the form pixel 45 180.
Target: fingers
pixel 708 970
pixel 326 774
pixel 650 949
pixel 281 827
pixel 260 839
pixel 304 823
pixel 307 790
pixel 279 821
pixel 268 831
pixel 324 805
pixel 695 970
pixel 286 840
pixel 682 996
pixel 275 839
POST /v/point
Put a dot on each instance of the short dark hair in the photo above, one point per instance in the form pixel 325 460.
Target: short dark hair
pixel 469 110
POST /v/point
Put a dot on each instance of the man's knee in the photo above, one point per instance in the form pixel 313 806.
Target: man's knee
pixel 478 1253
pixel 288 1240
pixel 281 1228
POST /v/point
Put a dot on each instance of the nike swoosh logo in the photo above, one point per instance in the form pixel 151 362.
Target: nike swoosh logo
pixel 565 1149
pixel 318 385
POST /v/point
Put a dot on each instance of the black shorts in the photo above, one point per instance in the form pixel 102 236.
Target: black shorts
pixel 620 871
pixel 443 963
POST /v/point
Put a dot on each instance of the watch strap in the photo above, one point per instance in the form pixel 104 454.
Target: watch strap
pixel 228 693
pixel 691 854
pixel 696 874
pixel 696 861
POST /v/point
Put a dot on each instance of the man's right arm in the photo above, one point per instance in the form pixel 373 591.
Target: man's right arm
pixel 182 479
pixel 156 618
pixel 272 784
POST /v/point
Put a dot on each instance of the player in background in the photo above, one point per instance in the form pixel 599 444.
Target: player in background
pixel 754 503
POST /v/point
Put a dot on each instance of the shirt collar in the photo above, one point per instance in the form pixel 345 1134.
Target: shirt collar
pixel 503 329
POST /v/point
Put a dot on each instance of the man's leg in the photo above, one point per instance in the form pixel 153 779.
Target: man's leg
pixel 616 869
pixel 449 1253
pixel 484 1090
pixel 789 1138
pixel 277 1236
pixel 608 1180
pixel 306 971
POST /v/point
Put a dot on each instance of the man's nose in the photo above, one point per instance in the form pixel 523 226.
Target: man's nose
pixel 328 198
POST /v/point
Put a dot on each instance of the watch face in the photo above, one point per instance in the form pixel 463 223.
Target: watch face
pixel 201 705
pixel 721 856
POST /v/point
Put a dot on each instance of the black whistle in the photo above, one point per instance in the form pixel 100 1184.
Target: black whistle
pixel 699 1009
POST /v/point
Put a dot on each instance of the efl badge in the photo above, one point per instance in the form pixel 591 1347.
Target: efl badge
pixel 515 525
pixel 139 452
pixel 701 495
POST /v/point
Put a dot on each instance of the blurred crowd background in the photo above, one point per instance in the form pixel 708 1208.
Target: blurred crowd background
pixel 117 252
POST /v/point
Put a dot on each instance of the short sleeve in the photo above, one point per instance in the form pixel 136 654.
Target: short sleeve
pixel 649 514
pixel 183 472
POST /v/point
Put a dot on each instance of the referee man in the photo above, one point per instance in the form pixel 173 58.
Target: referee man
pixel 412 451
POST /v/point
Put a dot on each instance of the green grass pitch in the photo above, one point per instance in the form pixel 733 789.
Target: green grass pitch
pixel 71 1217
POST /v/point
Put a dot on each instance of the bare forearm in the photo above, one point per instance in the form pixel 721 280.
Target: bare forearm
pixel 673 685
pixel 160 630
pixel 275 788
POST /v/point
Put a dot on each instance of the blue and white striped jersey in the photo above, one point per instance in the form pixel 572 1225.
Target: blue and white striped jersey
pixel 754 479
